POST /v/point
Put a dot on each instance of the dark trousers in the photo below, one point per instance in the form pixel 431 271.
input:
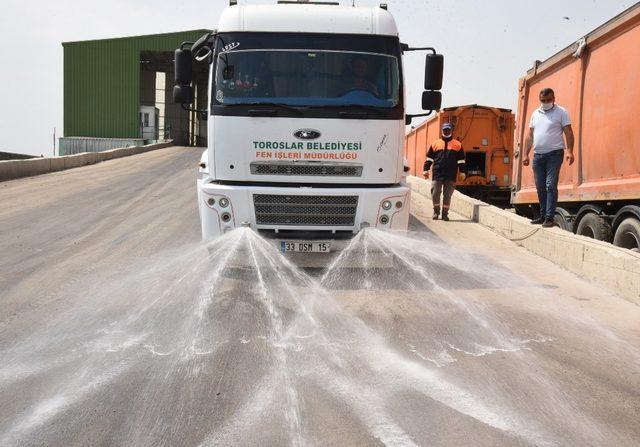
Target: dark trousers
pixel 445 188
pixel 546 170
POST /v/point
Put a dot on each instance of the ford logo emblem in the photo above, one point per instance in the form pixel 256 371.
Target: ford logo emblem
pixel 307 134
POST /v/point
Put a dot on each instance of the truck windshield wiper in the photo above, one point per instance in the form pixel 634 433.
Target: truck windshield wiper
pixel 357 106
pixel 367 108
pixel 297 109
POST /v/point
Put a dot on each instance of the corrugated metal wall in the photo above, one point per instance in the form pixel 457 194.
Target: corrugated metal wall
pixel 78 145
pixel 102 83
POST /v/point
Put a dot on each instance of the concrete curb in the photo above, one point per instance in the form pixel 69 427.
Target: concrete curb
pixel 600 262
pixel 13 169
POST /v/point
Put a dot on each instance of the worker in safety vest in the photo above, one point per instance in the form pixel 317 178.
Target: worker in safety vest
pixel 447 157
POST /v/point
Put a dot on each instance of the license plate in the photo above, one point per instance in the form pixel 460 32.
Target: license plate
pixel 305 246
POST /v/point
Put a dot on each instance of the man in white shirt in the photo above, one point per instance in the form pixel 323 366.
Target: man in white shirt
pixel 547 126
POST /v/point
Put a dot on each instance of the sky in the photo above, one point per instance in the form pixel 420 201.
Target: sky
pixel 487 46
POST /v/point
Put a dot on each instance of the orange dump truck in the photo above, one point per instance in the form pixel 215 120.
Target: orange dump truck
pixel 486 134
pixel 598 81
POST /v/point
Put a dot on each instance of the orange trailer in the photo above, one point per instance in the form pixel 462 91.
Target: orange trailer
pixel 486 134
pixel 598 81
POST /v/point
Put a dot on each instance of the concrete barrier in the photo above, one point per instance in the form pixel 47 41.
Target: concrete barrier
pixel 12 169
pixel 8 168
pixel 600 262
pixel 73 161
pixel 111 153
pixel 130 151
pixel 57 164
pixel 28 167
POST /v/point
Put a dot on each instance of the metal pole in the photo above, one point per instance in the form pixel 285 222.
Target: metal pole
pixel 54 141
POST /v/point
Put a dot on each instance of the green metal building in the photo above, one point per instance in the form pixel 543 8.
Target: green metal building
pixel 106 82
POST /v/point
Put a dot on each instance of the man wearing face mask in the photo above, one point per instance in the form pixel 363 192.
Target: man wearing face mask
pixel 547 126
pixel 447 157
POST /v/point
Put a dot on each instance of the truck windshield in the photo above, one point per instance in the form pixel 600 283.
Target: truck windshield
pixel 307 78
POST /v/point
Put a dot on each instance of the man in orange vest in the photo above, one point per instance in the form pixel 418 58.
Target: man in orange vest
pixel 447 157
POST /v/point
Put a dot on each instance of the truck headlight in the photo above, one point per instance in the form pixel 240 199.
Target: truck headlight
pixel 386 205
pixel 384 219
pixel 223 202
pixel 226 217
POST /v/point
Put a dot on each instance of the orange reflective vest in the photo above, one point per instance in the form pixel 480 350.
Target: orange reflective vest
pixel 446 156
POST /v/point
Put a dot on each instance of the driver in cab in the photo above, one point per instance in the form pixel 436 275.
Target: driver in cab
pixel 359 81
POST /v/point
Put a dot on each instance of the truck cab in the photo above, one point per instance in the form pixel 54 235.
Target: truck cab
pixel 306 119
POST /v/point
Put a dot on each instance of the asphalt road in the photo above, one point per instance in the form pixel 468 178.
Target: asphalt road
pixel 119 327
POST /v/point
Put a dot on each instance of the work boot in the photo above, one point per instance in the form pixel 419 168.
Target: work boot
pixel 436 214
pixel 549 223
pixel 538 221
pixel 445 216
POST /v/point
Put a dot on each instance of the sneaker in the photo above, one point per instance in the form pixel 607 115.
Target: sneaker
pixel 538 221
pixel 445 217
pixel 549 223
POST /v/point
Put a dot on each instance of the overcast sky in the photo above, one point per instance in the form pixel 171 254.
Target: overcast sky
pixel 487 45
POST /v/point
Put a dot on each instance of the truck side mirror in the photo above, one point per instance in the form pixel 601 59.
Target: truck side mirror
pixel 182 94
pixel 183 66
pixel 433 70
pixel 183 70
pixel 431 100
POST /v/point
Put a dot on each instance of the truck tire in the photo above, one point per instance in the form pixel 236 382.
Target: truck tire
pixel 562 218
pixel 595 227
pixel 628 234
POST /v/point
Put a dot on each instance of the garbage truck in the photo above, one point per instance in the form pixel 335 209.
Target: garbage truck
pixel 599 194
pixel 306 115
pixel 486 134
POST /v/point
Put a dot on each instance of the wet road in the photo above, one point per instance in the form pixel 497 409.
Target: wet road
pixel 118 327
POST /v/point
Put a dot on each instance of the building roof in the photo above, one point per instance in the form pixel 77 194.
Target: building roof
pixel 309 18
pixel 142 36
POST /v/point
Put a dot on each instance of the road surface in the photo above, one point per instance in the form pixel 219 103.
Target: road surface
pixel 119 327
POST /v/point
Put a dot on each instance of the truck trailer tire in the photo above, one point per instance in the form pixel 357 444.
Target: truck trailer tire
pixel 628 234
pixel 563 219
pixel 594 226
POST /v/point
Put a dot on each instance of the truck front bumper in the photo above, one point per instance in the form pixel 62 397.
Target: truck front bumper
pixel 225 207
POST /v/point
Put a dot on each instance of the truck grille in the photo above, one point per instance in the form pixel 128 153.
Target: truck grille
pixel 338 170
pixel 274 209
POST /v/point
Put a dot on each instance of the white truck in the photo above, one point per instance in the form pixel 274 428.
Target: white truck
pixel 306 121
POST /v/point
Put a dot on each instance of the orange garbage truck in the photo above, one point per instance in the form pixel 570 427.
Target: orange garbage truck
pixel 597 80
pixel 486 134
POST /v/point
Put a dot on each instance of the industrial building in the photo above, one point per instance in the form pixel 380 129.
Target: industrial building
pixel 118 92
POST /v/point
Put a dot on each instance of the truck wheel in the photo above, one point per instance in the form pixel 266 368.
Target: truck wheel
pixel 595 227
pixel 628 234
pixel 562 219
